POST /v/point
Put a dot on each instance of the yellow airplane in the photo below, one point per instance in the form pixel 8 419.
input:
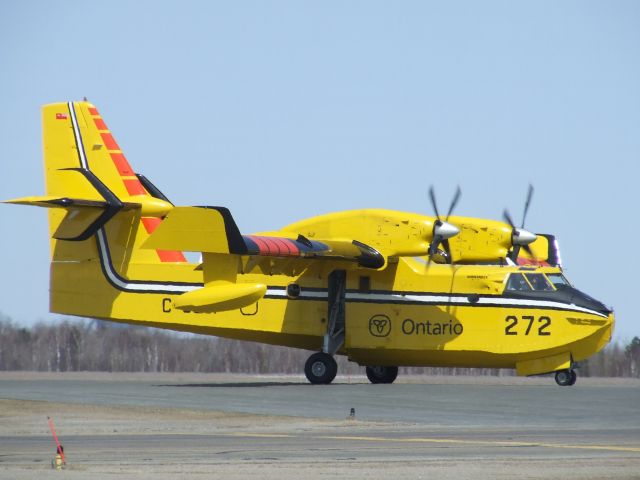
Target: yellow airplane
pixel 385 288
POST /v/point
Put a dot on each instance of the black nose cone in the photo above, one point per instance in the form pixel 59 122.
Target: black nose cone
pixel 581 299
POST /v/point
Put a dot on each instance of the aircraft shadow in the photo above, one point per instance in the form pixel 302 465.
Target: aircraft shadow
pixel 235 384
pixel 254 384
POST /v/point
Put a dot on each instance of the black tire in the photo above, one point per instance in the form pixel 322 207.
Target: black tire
pixel 320 368
pixel 565 378
pixel 379 374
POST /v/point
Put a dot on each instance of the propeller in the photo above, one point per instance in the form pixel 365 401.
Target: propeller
pixel 442 230
pixel 520 238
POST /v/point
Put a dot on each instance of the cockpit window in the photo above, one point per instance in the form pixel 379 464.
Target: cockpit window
pixel 517 283
pixel 539 282
pixel 558 280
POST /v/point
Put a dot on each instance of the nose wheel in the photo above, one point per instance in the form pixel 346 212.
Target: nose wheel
pixel 566 378
pixel 320 368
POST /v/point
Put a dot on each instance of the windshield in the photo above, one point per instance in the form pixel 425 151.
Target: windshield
pixel 525 282
pixel 558 280
pixel 539 282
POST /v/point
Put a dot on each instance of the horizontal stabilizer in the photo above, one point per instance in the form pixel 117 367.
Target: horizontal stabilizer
pixel 220 296
pixel 56 202
pixel 85 216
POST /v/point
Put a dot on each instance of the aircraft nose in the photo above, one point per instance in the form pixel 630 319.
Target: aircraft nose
pixel 584 300
pixel 612 321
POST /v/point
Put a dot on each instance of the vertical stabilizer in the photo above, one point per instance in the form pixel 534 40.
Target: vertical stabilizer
pixel 82 160
pixel 100 212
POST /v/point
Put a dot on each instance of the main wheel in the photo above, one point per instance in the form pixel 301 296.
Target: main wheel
pixel 382 374
pixel 320 368
pixel 566 378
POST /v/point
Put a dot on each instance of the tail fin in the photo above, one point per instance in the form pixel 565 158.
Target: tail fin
pixel 88 178
pixel 101 214
pixel 76 136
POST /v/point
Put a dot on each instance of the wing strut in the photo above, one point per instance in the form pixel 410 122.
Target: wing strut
pixel 334 338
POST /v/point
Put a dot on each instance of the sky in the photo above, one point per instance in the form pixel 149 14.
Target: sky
pixel 284 110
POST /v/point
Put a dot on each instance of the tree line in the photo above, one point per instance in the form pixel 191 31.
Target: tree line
pixel 93 345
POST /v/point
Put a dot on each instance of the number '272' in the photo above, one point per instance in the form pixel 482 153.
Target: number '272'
pixel 526 325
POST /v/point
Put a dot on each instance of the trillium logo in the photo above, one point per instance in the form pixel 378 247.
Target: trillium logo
pixel 380 326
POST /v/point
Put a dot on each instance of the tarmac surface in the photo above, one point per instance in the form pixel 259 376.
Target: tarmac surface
pixel 215 426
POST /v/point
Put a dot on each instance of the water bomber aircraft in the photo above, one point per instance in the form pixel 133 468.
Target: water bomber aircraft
pixel 384 288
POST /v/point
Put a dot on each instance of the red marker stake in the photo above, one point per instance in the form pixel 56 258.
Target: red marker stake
pixel 55 437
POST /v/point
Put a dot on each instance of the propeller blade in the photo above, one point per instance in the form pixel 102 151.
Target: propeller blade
pixel 432 196
pixel 454 202
pixel 520 238
pixel 433 246
pixel 515 253
pixel 526 204
pixel 442 230
pixel 527 249
pixel 447 249
pixel 508 218
pixel 428 264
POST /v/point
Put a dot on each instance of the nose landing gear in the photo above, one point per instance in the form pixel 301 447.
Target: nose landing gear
pixel 566 378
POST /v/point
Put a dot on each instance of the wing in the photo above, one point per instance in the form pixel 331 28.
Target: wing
pixel 213 230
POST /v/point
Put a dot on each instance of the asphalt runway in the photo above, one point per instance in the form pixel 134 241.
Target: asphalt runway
pixel 238 427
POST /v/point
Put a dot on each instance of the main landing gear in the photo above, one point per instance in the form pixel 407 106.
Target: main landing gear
pixel 320 368
pixel 566 378
pixel 382 374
